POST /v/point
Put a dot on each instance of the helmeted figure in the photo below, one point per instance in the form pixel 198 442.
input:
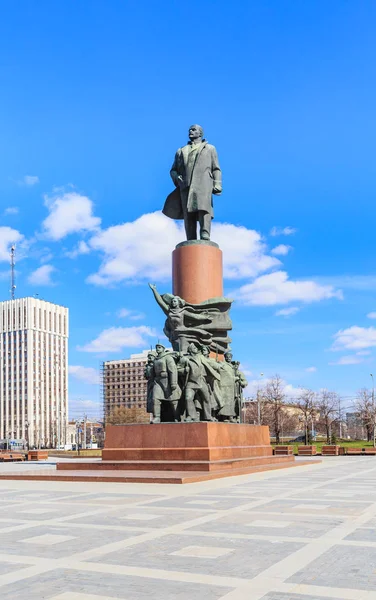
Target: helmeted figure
pixel 165 389
pixel 197 175
pixel 227 412
pixel 196 393
pixel 149 375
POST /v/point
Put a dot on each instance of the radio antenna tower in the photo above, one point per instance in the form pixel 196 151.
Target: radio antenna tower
pixel 12 274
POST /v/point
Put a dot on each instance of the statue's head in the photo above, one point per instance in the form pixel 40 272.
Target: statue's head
pixel 228 356
pixel 193 349
pixel 205 350
pixel 177 302
pixel 159 348
pixel 195 132
pixel 151 356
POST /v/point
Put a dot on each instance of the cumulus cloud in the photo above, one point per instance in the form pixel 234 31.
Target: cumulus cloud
pixel 69 212
pixel 133 315
pixel 352 359
pixel 281 250
pixel 11 210
pixel 42 275
pixel 115 339
pixel 86 374
pixel 141 249
pixel 275 231
pixel 311 369
pixel 276 288
pixel 81 248
pixel 29 180
pixel 355 338
pixel 8 236
pixel 287 312
pixel 372 315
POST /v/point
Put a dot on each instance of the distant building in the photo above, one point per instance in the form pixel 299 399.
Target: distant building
pixel 76 431
pixel 33 371
pixel 123 383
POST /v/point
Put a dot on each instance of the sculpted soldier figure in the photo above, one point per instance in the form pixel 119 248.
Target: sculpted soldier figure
pixel 165 389
pixel 227 413
pixel 197 175
pixel 240 383
pixel 196 394
pixel 213 380
pixel 149 375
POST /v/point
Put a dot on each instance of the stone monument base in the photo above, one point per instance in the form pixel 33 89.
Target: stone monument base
pixel 179 453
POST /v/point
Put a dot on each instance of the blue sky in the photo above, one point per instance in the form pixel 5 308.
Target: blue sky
pixel 96 96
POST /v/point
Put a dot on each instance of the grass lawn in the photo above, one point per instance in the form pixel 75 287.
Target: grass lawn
pixel 72 453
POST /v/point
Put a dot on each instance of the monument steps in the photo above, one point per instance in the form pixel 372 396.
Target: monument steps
pixel 164 465
pixel 175 477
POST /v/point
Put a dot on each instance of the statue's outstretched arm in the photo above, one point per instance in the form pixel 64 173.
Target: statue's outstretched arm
pixel 164 306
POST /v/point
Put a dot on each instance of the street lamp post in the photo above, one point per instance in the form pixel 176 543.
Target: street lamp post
pixel 373 411
pixel 259 404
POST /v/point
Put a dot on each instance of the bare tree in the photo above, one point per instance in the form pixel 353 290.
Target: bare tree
pixel 120 415
pixel 365 406
pixel 328 407
pixel 307 404
pixel 275 398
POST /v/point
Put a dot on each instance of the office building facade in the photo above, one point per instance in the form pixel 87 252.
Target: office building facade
pixel 123 383
pixel 33 371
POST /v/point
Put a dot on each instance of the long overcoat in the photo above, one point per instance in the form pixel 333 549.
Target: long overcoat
pixel 165 378
pixel 206 176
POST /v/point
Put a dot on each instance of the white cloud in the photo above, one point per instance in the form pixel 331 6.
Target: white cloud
pixel 281 250
pixel 8 236
pixel 115 339
pixel 255 385
pixel 276 288
pixel 141 249
pixel 372 315
pixel 11 210
pixel 287 312
pixel 42 275
pixel 29 180
pixel 348 360
pixel 86 374
pixel 275 231
pixel 355 338
pixel 70 212
pixel 311 369
pixel 81 248
pixel 244 252
pixel 125 313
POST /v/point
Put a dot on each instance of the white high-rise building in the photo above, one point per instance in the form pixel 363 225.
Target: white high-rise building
pixel 33 371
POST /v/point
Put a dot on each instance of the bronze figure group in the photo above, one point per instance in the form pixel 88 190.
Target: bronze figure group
pixel 192 386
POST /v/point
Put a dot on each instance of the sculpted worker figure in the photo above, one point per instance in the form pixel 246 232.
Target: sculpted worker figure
pixel 197 175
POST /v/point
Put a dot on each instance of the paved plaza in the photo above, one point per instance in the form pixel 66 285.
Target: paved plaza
pixel 306 533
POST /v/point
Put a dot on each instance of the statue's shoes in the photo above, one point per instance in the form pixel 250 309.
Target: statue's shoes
pixel 205 236
pixel 156 420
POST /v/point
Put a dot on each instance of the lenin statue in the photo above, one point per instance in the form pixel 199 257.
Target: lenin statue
pixel 196 175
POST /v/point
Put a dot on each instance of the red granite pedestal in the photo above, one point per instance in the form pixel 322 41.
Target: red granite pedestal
pixel 180 453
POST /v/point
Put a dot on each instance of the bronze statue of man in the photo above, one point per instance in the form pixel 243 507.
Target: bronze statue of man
pixel 197 175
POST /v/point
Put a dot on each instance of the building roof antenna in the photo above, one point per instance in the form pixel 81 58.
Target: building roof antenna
pixel 12 271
